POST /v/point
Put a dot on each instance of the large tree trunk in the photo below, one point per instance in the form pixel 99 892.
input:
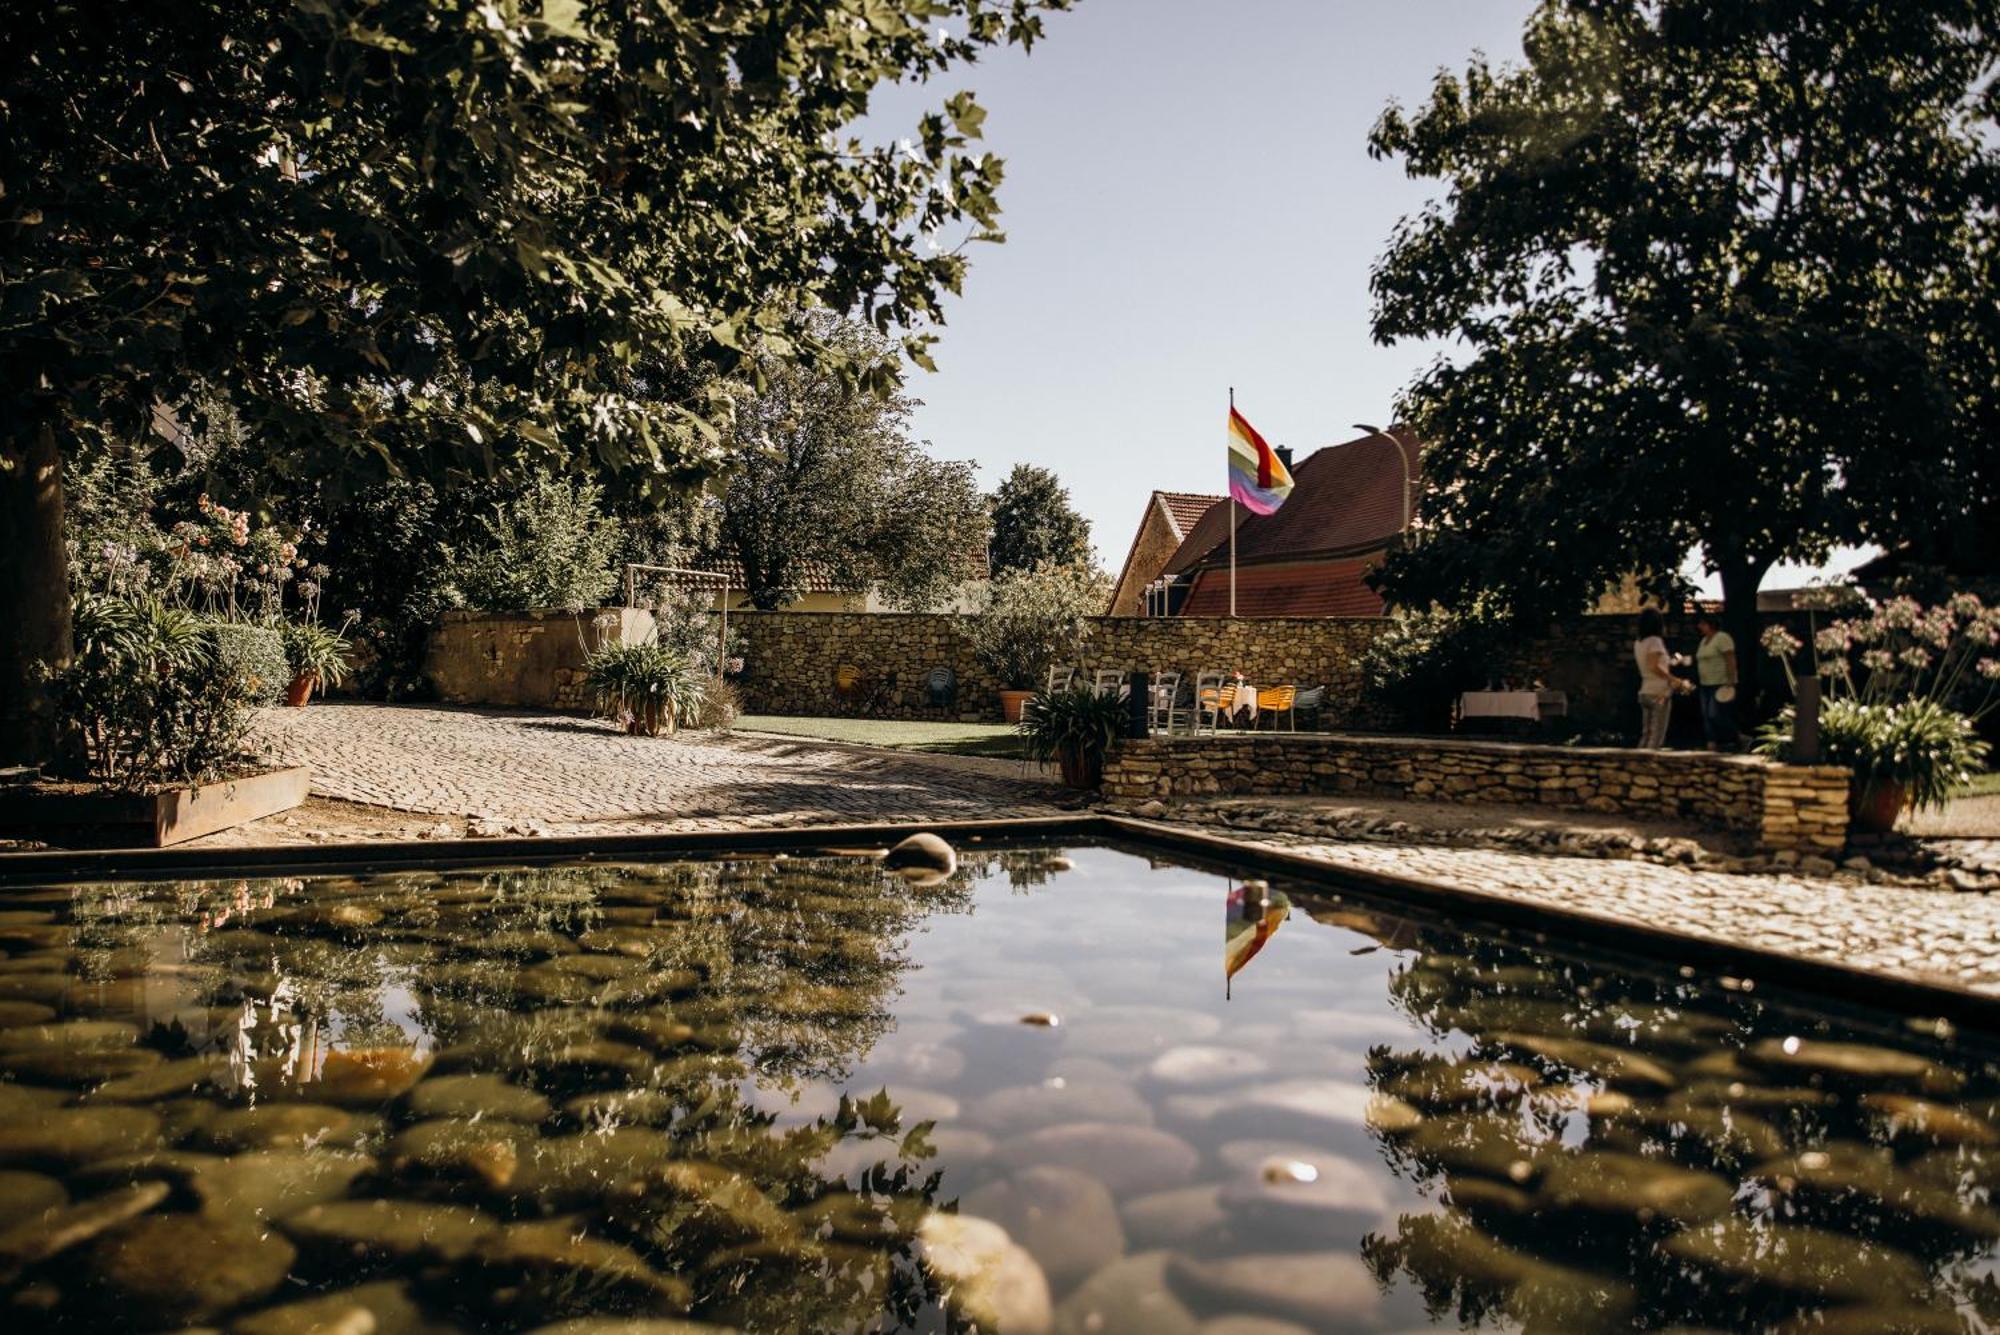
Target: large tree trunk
pixel 34 596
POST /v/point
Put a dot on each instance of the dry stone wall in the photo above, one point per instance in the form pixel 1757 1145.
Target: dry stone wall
pixel 792 661
pixel 529 660
pixel 1779 806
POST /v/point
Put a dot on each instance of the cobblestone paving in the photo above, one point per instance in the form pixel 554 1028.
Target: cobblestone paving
pixel 1931 933
pixel 558 770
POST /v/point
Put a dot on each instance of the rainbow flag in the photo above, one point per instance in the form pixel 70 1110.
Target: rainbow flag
pixel 1257 477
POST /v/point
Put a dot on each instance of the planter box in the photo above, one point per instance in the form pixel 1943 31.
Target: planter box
pixel 156 820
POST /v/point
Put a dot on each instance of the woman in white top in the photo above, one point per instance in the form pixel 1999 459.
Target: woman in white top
pixel 1656 679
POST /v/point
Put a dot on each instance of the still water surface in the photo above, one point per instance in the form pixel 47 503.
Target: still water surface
pixel 1075 1091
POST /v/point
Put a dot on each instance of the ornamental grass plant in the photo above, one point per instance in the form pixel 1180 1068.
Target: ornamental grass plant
pixel 648 688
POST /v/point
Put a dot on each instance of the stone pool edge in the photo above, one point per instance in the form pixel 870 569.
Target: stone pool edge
pixel 1844 983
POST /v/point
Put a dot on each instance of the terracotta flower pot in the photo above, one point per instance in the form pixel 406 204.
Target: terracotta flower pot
pixel 1011 703
pixel 301 689
pixel 1080 769
pixel 1874 809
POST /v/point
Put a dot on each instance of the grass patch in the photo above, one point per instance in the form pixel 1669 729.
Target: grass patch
pixel 1981 785
pixel 953 739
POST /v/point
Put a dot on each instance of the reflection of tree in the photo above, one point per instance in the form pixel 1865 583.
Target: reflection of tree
pixel 636 1000
pixel 1026 869
pixel 1604 1144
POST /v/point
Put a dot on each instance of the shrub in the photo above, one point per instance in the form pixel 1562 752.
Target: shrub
pixel 255 656
pixel 1034 619
pixel 316 649
pixel 148 698
pixel 550 546
pixel 648 688
pixel 1418 667
pixel 1920 746
pixel 1076 727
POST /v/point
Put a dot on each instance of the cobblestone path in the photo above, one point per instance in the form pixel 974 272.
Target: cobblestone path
pixel 1929 933
pixel 557 770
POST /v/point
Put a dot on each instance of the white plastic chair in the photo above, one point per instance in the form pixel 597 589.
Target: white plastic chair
pixel 1060 678
pixel 1211 696
pixel 1107 681
pixel 1164 711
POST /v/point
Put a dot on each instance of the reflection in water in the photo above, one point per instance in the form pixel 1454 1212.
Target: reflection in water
pixel 798 1094
pixel 1252 914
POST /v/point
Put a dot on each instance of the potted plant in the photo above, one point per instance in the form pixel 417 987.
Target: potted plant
pixel 1903 688
pixel 1074 728
pixel 1033 619
pixel 649 688
pixel 317 657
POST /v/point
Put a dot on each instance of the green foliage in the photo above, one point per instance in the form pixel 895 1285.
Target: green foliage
pixel 452 239
pixel 152 697
pixel 550 545
pixel 316 650
pixel 254 655
pixel 648 688
pixel 1034 523
pixel 828 483
pixel 1721 276
pixel 1078 722
pixel 1920 745
pixel 1034 619
pixel 1422 661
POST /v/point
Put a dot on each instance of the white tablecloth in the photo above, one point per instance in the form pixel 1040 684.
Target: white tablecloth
pixel 1500 704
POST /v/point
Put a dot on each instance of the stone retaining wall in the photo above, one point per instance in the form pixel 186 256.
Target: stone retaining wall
pixel 1779 806
pixel 531 660
pixel 790 659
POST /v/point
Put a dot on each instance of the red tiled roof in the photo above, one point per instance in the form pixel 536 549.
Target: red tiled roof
pixel 1345 501
pixel 1289 589
pixel 1185 508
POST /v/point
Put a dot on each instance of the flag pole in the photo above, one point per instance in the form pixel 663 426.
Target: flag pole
pixel 1230 500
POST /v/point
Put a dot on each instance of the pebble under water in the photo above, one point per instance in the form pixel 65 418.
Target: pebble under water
pixel 1072 1091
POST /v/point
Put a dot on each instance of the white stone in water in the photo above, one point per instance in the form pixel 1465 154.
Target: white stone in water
pixel 988 1279
pixel 923 853
pixel 1327 1290
pixel 1194 1065
pixel 1064 1217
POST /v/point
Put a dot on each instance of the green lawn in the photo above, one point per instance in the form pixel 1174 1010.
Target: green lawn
pixel 958 739
pixel 1982 785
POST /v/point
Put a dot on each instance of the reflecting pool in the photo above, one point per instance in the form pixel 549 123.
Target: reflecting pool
pixel 1061 1090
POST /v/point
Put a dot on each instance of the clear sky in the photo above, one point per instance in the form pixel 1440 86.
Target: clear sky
pixel 1189 205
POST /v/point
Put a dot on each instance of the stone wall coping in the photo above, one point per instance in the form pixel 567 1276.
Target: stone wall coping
pixel 466 614
pixel 1513 750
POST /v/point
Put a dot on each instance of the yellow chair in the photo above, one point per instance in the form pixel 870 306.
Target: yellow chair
pixel 1279 700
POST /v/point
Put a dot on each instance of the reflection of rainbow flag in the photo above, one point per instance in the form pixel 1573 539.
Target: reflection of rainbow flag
pixel 1258 478
pixel 1244 937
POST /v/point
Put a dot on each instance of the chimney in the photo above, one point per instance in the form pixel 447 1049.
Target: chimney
pixel 1284 453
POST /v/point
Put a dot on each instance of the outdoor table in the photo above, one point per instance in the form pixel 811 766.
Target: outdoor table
pixel 1500 704
pixel 1244 706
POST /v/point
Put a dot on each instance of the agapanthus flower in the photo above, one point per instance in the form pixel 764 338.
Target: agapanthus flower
pixel 1989 668
pixel 1900 613
pixel 1878 660
pixel 1779 642
pixel 1965 605
pixel 1916 657
pixel 1832 640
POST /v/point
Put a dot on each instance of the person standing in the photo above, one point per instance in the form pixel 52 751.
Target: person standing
pixel 1715 673
pixel 1656 679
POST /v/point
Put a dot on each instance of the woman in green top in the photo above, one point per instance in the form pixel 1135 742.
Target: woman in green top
pixel 1715 672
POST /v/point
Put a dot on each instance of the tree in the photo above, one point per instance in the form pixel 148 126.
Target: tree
pixel 827 482
pixel 1709 264
pixel 1034 523
pixel 447 238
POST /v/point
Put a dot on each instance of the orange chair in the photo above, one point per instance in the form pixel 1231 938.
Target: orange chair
pixel 1278 700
